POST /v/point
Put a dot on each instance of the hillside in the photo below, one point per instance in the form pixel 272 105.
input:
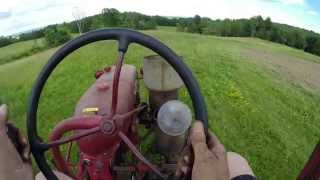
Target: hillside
pixel 20 49
pixel 262 97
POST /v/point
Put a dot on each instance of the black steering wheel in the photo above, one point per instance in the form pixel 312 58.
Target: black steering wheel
pixel 124 38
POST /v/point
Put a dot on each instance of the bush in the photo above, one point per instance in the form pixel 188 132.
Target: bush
pixel 4 41
pixel 146 24
pixel 55 36
pixel 180 27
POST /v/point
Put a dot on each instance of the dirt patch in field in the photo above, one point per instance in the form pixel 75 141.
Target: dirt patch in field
pixel 297 69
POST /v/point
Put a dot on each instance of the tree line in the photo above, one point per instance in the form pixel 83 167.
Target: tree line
pixel 308 41
pixel 59 33
pixel 257 26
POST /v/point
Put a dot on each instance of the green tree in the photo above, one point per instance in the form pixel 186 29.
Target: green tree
pixel 4 41
pixel 311 43
pixel 197 24
pixel 316 49
pixel 180 27
pixel 299 41
pixel 194 25
pixel 268 24
pixel 235 29
pixel 245 30
pixel 110 17
pixel 87 24
pixel 275 35
pixel 55 36
pixel 260 24
pixel 97 23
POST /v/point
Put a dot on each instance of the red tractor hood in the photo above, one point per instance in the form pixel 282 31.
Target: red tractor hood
pixel 99 96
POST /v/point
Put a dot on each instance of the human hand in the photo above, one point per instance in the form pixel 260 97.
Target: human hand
pixel 208 161
pixel 3 116
pixel 14 134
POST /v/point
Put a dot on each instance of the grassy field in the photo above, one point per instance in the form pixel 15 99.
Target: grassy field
pixel 257 111
pixel 19 50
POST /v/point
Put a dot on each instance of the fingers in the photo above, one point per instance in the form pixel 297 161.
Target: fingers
pixel 182 170
pixel 183 166
pixel 197 134
pixel 3 114
pixel 214 143
pixel 25 152
pixel 185 161
pixel 203 148
pixel 198 139
pixel 213 140
pixel 19 141
pixel 200 143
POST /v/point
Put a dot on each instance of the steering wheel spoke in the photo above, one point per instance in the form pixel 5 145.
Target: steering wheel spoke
pixel 74 137
pixel 115 84
pixel 71 124
pixel 123 43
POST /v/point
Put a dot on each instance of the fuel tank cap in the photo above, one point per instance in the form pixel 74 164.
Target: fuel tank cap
pixel 174 118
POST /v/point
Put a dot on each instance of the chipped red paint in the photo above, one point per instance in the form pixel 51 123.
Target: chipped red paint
pixel 107 69
pixel 96 167
pixel 98 74
pixel 102 86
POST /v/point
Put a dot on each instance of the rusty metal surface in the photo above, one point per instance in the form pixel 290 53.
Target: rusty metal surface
pixel 157 98
pixel 169 146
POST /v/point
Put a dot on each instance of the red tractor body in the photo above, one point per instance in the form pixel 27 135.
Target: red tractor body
pixel 98 150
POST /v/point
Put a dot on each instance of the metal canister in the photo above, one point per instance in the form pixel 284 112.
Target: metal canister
pixel 173 120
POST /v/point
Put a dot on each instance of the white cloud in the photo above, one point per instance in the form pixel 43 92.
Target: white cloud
pixel 313 13
pixel 297 2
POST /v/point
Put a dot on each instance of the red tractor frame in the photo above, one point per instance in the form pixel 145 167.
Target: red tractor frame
pixel 104 124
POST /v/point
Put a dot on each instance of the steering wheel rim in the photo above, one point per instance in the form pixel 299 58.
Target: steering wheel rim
pixel 124 37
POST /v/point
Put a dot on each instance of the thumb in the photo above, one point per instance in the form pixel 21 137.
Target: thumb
pixel 198 138
pixel 3 114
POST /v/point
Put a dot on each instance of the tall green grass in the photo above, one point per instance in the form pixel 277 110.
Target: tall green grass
pixel 21 49
pixel 271 121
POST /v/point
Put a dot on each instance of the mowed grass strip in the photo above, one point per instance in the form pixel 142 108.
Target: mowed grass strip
pixel 21 49
pixel 271 121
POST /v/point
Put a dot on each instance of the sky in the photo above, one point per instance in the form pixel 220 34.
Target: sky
pixel 23 15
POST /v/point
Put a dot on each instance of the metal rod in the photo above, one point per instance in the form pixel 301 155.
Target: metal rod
pixel 74 137
pixel 137 153
pixel 69 152
pixel 130 113
pixel 115 84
